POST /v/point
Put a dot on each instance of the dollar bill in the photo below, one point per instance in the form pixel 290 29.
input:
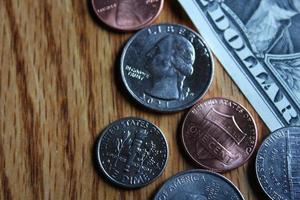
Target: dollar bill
pixel 258 43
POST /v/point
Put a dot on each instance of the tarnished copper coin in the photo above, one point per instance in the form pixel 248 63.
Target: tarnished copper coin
pixel 127 15
pixel 219 134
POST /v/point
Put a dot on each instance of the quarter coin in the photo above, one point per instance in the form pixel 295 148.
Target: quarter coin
pixel 219 134
pixel 127 15
pixel 198 184
pixel 132 152
pixel 278 164
pixel 166 67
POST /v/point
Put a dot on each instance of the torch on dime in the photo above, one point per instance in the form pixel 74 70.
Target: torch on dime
pixel 132 152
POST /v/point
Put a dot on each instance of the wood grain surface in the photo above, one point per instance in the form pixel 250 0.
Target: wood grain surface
pixel 59 88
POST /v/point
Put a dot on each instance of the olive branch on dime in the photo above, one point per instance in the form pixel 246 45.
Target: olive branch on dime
pixel 121 143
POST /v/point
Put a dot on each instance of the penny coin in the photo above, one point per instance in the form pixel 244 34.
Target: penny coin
pixel 219 134
pixel 278 164
pixel 132 152
pixel 198 184
pixel 166 67
pixel 127 15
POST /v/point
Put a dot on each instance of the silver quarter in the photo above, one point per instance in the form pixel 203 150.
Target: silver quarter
pixel 132 152
pixel 278 164
pixel 166 67
pixel 198 184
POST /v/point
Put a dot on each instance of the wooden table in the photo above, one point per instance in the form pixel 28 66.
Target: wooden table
pixel 59 89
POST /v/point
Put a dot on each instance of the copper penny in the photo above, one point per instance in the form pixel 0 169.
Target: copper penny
pixel 219 134
pixel 127 15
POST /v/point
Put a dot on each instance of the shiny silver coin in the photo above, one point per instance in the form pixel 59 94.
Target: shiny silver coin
pixel 278 164
pixel 198 184
pixel 166 67
pixel 132 152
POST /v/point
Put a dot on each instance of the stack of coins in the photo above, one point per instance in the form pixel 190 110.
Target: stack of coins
pixel 169 68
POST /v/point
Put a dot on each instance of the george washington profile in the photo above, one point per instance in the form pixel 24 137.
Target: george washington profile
pixel 169 61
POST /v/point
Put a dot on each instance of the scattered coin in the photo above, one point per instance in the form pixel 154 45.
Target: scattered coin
pixel 132 152
pixel 219 134
pixel 127 15
pixel 278 164
pixel 198 184
pixel 166 67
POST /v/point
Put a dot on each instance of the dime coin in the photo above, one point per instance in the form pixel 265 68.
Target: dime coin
pixel 278 164
pixel 166 67
pixel 127 15
pixel 132 152
pixel 219 134
pixel 198 184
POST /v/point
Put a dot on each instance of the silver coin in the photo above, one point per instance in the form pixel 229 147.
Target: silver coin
pixel 166 67
pixel 278 164
pixel 132 152
pixel 198 184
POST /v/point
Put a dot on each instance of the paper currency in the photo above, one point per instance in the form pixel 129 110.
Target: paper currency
pixel 258 43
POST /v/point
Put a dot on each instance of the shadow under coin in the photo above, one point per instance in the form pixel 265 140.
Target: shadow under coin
pixel 253 181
